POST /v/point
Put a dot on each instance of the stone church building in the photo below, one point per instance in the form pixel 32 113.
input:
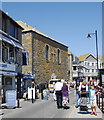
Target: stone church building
pixel 47 58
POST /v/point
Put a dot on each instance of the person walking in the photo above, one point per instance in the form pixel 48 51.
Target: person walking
pixel 58 87
pixel 77 94
pixel 65 95
pixel 93 101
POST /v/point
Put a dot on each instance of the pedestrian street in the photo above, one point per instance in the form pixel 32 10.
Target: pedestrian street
pixel 47 109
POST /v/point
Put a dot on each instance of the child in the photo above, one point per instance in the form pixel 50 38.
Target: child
pixel 93 100
pixel 46 94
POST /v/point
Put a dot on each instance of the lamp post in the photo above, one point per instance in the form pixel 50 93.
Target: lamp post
pixel 89 36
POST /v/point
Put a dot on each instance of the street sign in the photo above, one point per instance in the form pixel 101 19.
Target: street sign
pixel 11 98
pixel 30 93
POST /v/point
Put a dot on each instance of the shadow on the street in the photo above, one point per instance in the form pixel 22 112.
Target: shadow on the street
pixel 84 112
pixel 5 107
pixel 2 114
pixel 67 107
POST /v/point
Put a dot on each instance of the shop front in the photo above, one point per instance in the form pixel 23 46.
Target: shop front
pixel 8 78
pixel 27 81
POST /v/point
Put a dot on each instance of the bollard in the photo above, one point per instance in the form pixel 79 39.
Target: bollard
pixel 18 103
pixel 32 97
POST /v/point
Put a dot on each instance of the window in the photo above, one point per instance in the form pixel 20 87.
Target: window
pixel 25 56
pixel 11 54
pixel 92 70
pixel 100 65
pixel 4 24
pixel 4 53
pixel 18 56
pixel 85 63
pixel 85 70
pixel 8 81
pixel 58 56
pixel 88 70
pixel 88 64
pixel 12 29
pixel 92 64
pixel 47 52
pixel 16 32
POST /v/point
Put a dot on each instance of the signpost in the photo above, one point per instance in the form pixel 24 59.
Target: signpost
pixel 11 98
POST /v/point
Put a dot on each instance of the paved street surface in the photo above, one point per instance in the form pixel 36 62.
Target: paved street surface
pixel 47 109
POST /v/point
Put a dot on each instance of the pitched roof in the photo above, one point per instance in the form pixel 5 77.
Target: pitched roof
pixel 69 52
pixel 28 28
pixel 83 57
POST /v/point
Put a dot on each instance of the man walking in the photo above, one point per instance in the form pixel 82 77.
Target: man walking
pixel 58 87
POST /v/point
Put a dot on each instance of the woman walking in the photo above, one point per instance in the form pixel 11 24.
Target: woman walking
pixel 65 95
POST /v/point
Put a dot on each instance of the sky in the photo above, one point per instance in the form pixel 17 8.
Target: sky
pixel 66 22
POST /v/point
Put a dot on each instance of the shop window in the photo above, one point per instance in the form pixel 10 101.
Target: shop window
pixel 8 81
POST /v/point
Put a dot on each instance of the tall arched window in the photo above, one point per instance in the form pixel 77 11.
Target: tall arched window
pixel 58 56
pixel 47 52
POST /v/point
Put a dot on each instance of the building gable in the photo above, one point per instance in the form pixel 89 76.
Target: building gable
pixel 90 58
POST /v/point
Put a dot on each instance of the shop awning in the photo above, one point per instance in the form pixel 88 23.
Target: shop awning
pixel 17 44
pixel 28 77
pixel 4 38
pixel 10 41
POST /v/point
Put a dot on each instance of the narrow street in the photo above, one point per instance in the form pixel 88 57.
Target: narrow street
pixel 40 109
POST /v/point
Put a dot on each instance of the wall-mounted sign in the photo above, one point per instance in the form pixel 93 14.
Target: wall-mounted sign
pixel 7 67
pixel 7 73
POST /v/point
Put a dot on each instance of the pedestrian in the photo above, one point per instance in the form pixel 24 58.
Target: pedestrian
pixel 65 95
pixel 46 94
pixel 93 100
pixel 77 94
pixel 58 87
pixel 83 89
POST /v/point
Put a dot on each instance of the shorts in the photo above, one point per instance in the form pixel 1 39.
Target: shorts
pixel 93 102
